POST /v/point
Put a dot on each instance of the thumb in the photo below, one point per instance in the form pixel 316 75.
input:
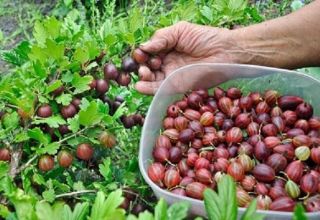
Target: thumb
pixel 163 39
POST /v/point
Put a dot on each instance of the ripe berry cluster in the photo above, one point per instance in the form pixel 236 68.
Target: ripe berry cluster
pixel 145 60
pixel 269 144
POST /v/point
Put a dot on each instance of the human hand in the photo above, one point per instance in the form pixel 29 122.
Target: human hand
pixel 182 44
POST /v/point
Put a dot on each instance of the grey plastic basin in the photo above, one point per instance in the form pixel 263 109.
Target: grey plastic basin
pixel 247 77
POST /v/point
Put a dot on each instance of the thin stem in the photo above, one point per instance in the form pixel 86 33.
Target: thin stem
pixel 73 135
pixel 75 193
pixel 24 166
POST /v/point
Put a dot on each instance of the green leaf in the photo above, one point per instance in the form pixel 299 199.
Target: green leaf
pixel 38 135
pixel 207 13
pixel 21 137
pixel 49 195
pixel 98 207
pixel 178 211
pixel 74 124
pixel 47 212
pixel 18 55
pixel 105 169
pixel 79 213
pixel 146 216
pixel 39 179
pixel 39 69
pixel 24 205
pixel 54 50
pixel 250 212
pixel 119 112
pixel 53 121
pixel 113 201
pixel 81 83
pixel 160 211
pixel 51 149
pixel 228 200
pixel 4 211
pixel 296 4
pixel 4 168
pixel 53 86
pixel 78 186
pixel 49 28
pixel 211 202
pixel 11 120
pixel 67 77
pixel 64 99
pixel 39 32
pixel 90 115
pixel 299 213
pixel 131 217
pixel 81 54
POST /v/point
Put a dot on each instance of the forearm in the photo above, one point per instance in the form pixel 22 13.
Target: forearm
pixel 291 41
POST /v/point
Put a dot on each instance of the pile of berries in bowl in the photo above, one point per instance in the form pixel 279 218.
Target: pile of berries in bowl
pixel 268 142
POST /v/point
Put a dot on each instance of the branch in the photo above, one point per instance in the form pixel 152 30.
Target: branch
pixel 75 193
pixel 24 166
pixel 15 159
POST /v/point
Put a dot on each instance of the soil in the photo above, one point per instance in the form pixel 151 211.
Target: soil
pixel 11 14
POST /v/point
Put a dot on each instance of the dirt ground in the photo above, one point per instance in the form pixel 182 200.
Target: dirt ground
pixel 16 21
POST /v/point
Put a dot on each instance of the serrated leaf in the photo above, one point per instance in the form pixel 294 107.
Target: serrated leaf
pixel 39 32
pixel 38 135
pixel 146 215
pixel 119 112
pixel 207 13
pixel 51 149
pixel 132 217
pixel 90 115
pixel 84 103
pixel 77 186
pixel 44 211
pixel 98 207
pixel 21 137
pixel 4 168
pixel 299 213
pixel 66 77
pixel 250 212
pixel 228 200
pixel 113 201
pixel 23 204
pixel 81 54
pixel 178 211
pixel 47 212
pixel 54 50
pixel 105 169
pixel 211 202
pixel 64 99
pixel 160 211
pixel 81 83
pixel 53 121
pixel 11 120
pixel 49 195
pixel 4 211
pixel 18 55
pixel 53 86
pixel 39 69
pixel 80 211
pixel 39 179
pixel 74 124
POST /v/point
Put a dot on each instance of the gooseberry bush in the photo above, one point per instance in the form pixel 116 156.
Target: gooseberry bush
pixel 71 119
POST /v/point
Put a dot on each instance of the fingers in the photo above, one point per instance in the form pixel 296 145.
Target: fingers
pixel 164 39
pixel 148 88
pixel 145 74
